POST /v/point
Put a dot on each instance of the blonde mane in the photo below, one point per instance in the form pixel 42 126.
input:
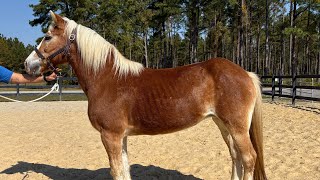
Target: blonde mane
pixel 95 50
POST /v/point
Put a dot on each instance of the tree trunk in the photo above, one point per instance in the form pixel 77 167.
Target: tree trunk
pixel 308 42
pixel 293 54
pixel 291 38
pixel 130 50
pixel 318 60
pixel 283 47
pixel 266 68
pixel 239 38
pixel 234 47
pixel 194 30
pixel 215 41
pixel 318 64
pixel 258 65
pixel 250 52
pixel 293 60
pixel 146 47
pixel 163 39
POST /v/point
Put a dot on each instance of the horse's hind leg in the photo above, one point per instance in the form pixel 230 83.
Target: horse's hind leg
pixel 238 127
pixel 237 124
pixel 115 145
pixel 247 152
pixel 237 170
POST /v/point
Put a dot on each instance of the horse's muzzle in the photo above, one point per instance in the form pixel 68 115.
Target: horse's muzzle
pixel 33 67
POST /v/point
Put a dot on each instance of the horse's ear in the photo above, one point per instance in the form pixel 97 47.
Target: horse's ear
pixel 56 18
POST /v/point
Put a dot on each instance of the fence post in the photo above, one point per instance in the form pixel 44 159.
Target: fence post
pixel 273 86
pixel 18 91
pixel 60 88
pixel 312 89
pixel 294 88
pixel 280 84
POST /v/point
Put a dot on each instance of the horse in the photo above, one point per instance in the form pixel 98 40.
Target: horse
pixel 126 99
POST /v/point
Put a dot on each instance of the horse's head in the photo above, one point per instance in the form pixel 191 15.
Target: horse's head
pixel 53 49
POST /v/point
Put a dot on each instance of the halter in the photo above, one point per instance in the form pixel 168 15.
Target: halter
pixel 65 50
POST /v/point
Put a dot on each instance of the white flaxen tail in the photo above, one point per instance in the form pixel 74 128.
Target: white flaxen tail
pixel 256 128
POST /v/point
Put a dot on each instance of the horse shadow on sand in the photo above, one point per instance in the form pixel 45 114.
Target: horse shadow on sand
pixel 138 172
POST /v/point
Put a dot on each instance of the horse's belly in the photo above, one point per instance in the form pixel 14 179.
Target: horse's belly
pixel 166 122
pixel 172 111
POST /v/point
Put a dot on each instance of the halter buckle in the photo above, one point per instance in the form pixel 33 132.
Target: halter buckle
pixel 72 37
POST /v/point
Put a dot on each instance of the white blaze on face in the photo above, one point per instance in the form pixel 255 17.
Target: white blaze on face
pixel 33 62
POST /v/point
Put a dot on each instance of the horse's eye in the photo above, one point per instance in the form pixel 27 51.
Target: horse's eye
pixel 47 38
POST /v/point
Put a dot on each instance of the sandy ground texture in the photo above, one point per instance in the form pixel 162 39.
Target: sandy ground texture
pixel 55 140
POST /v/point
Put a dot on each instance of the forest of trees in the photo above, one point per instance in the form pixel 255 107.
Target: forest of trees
pixel 263 36
pixel 13 53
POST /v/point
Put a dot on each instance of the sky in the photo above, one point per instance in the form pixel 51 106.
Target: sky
pixel 14 21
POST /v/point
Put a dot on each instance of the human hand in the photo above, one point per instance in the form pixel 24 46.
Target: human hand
pixel 51 77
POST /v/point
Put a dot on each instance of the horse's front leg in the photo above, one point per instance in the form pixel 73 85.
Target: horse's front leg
pixel 116 147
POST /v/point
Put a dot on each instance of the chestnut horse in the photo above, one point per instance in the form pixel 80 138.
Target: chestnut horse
pixel 125 99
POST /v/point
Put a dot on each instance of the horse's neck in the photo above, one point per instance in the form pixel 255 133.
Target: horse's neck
pixel 89 80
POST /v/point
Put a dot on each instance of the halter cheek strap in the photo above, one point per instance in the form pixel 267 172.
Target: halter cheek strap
pixel 65 50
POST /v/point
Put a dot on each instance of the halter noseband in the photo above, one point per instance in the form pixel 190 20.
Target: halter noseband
pixel 65 50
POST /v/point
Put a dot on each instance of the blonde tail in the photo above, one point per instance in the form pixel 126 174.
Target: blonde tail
pixel 256 134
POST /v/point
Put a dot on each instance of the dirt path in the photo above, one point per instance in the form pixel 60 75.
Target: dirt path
pixel 55 140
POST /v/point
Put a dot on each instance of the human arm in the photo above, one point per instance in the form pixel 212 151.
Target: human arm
pixel 18 78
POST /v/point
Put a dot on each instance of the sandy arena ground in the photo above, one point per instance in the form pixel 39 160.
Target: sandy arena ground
pixel 55 140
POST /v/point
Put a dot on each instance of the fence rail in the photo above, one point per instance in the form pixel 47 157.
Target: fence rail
pixel 273 85
pixel 277 82
pixel 29 87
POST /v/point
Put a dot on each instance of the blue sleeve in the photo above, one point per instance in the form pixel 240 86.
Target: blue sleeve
pixel 5 74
